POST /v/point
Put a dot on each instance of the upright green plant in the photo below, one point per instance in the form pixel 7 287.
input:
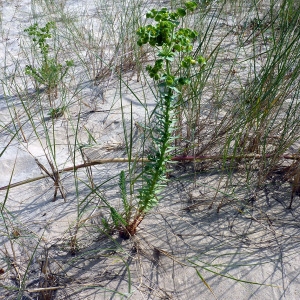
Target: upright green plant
pixel 50 72
pixel 170 72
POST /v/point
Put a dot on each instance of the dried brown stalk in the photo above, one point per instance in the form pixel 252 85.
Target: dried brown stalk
pixel 144 159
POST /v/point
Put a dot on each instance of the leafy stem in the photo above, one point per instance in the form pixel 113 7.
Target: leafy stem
pixel 170 41
pixel 50 72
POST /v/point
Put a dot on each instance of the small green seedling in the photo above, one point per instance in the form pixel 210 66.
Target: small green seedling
pixel 50 72
pixel 56 112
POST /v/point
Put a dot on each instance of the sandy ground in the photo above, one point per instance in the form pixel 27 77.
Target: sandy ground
pixel 240 243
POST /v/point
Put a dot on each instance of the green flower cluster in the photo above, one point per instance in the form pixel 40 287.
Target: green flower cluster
pixel 170 40
pixel 163 32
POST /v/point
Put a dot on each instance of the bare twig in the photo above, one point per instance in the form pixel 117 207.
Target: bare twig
pixel 144 159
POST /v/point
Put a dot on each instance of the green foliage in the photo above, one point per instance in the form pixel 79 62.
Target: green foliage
pixel 122 186
pixel 50 73
pixel 155 171
pixel 171 41
pixel 57 112
pixel 105 224
pixel 118 220
pixel 39 36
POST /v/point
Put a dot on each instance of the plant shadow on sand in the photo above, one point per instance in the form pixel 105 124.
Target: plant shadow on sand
pixel 245 241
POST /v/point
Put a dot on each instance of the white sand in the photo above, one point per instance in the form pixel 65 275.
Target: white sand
pixel 260 246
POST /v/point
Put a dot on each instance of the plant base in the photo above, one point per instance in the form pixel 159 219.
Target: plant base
pixel 130 230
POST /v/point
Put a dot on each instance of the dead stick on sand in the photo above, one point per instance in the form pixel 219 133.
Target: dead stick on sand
pixel 73 168
pixel 143 159
pixel 44 289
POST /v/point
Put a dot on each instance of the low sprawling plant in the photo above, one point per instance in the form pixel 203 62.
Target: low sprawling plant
pixel 170 72
pixel 50 73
